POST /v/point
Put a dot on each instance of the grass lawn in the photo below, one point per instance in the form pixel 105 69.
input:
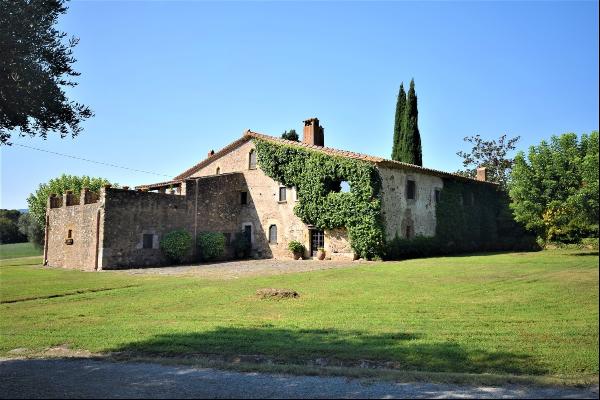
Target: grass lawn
pixel 504 314
pixel 15 250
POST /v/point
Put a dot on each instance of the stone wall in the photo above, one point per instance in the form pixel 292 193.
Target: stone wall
pixel 400 212
pixel 83 221
pixel 264 208
pixel 129 215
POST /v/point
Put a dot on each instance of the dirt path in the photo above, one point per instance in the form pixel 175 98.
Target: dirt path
pixel 86 378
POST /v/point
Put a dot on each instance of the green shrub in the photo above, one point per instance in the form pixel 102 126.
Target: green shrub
pixel 421 246
pixel 211 245
pixel 241 245
pixel 296 247
pixel 590 243
pixel 176 245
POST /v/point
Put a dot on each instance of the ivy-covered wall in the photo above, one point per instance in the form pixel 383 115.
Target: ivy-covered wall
pixel 317 177
pixel 469 216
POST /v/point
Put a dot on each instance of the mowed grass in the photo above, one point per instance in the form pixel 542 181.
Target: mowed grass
pixel 512 313
pixel 15 250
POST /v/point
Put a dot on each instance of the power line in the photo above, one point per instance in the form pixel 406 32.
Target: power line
pixel 88 160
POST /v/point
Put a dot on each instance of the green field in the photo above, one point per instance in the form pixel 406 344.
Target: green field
pixel 15 250
pixel 503 314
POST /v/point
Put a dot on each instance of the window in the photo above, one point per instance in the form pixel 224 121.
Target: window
pixel 410 190
pixel 273 234
pixel 70 234
pixel 437 195
pixel 218 171
pixel 282 194
pixel 409 231
pixel 148 240
pixel 248 232
pixel 252 159
pixel 243 198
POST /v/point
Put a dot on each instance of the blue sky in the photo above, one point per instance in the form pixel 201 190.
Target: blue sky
pixel 169 81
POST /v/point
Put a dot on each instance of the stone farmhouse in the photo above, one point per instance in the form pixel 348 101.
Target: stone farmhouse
pixel 228 192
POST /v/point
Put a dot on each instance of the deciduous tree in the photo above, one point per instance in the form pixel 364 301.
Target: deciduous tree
pixel 554 188
pixel 491 154
pixel 36 66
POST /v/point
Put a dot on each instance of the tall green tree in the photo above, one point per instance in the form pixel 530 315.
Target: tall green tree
pixel 399 123
pixel 33 225
pixel 35 69
pixel 554 188
pixel 411 151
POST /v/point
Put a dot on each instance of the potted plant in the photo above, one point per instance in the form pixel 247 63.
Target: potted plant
pixel 296 248
pixel 321 253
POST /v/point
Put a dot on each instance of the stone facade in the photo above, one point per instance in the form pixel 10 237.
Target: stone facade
pixel 227 193
pixel 403 216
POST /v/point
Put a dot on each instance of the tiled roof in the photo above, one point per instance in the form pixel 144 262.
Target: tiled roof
pixel 364 157
pixel 248 135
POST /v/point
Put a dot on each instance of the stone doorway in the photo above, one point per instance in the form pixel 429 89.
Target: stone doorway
pixel 317 239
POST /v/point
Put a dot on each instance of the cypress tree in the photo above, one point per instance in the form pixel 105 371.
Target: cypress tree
pixel 399 123
pixel 411 151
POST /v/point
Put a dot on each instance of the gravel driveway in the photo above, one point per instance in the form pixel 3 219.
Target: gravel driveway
pixel 238 269
pixel 86 378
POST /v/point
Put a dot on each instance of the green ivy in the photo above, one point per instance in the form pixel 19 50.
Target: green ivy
pixel 317 177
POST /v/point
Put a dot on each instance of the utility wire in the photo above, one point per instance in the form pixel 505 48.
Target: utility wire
pixel 88 160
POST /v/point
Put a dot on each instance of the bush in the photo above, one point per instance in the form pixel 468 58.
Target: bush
pixel 421 246
pixel 211 245
pixel 176 245
pixel 241 245
pixel 590 243
pixel 296 247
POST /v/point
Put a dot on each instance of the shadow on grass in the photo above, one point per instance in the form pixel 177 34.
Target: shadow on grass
pixel 590 253
pixel 402 351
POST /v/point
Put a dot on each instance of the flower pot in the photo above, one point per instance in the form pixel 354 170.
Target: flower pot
pixel 321 254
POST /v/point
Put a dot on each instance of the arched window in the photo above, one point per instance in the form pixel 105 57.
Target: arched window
pixel 218 170
pixel 252 159
pixel 273 234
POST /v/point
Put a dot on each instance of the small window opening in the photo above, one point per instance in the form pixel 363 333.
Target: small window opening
pixel 410 190
pixel 273 234
pixel 437 195
pixel 243 198
pixel 282 193
pixel 148 240
pixel 70 234
pixel 218 171
pixel 409 231
pixel 252 160
pixel 227 236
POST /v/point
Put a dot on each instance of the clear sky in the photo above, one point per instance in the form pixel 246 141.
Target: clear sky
pixel 169 81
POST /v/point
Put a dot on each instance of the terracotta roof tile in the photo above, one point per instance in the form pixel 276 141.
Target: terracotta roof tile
pixel 248 135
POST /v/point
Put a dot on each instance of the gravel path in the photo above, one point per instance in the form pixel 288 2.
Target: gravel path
pixel 238 269
pixel 86 378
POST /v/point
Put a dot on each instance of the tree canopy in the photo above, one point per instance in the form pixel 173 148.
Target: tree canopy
pixel 491 154
pixel 291 135
pixel 554 188
pixel 34 224
pixel 36 65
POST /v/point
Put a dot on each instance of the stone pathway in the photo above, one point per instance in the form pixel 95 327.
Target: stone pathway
pixel 238 269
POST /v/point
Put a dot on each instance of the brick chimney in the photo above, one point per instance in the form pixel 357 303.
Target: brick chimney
pixel 313 133
pixel 482 174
